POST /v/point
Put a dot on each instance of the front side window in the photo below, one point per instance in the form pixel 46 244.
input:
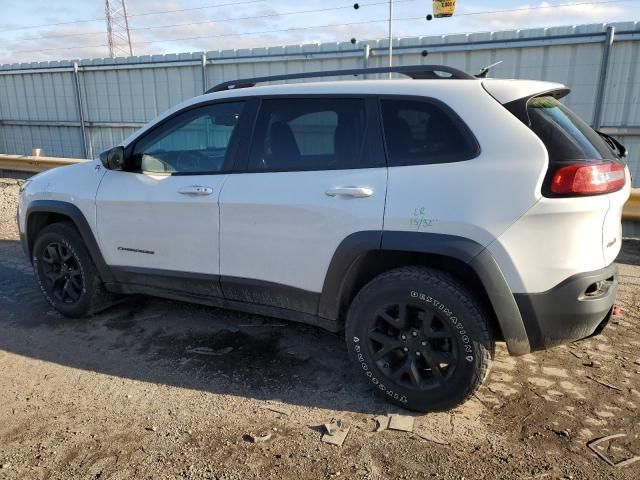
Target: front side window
pixel 196 141
pixel 420 132
pixel 309 134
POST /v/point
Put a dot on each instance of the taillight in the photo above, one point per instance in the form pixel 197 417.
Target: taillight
pixel 588 179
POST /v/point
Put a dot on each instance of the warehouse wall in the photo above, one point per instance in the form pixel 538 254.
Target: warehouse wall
pixel 40 103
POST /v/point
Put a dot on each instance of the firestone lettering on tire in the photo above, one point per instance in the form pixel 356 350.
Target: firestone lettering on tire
pixel 372 377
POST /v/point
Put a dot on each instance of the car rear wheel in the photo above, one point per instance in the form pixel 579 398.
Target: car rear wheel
pixel 66 273
pixel 419 338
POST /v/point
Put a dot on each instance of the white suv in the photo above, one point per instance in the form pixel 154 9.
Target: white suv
pixel 428 217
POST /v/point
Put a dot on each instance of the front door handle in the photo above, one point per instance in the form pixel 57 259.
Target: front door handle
pixel 354 192
pixel 196 190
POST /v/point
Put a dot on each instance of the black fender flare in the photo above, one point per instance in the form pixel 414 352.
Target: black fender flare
pixel 354 247
pixel 79 220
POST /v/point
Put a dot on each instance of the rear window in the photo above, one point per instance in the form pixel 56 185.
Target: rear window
pixel 566 136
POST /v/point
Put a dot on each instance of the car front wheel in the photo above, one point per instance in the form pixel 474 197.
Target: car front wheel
pixel 66 273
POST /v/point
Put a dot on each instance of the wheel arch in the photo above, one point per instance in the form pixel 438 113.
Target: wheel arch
pixel 364 255
pixel 42 213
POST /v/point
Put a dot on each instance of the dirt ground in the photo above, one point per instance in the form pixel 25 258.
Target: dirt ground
pixel 122 395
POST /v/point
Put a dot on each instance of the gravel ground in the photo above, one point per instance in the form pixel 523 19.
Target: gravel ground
pixel 8 207
pixel 123 395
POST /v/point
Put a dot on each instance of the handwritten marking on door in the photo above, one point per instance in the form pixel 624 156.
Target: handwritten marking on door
pixel 419 219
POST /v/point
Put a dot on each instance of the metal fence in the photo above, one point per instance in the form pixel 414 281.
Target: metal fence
pixel 77 109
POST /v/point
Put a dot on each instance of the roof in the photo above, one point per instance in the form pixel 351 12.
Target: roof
pixel 503 90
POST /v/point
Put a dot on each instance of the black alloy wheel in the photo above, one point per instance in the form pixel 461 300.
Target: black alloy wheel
pixel 413 345
pixel 62 273
pixel 66 272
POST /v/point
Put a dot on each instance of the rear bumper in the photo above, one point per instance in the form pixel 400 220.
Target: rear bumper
pixel 572 310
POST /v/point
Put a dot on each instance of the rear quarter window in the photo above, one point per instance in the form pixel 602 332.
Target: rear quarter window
pixel 421 132
pixel 566 136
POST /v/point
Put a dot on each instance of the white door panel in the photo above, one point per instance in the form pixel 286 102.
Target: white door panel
pixel 162 213
pixel 284 227
pixel 145 221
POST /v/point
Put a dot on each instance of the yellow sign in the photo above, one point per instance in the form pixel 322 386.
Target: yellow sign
pixel 443 8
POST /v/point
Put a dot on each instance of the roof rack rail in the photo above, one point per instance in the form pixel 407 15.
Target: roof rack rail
pixel 416 72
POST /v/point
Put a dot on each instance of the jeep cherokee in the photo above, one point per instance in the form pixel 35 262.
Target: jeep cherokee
pixel 427 218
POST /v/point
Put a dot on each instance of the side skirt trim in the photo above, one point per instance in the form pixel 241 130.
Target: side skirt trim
pixel 262 292
pixel 266 310
pixel 176 281
pixel 247 295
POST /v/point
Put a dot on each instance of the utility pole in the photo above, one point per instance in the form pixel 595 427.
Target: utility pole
pixel 390 35
pixel 441 9
pixel 118 35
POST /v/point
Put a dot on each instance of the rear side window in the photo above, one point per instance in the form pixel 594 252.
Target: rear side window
pixel 309 134
pixel 423 132
pixel 566 136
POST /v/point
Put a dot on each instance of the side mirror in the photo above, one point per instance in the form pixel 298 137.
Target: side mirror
pixel 113 159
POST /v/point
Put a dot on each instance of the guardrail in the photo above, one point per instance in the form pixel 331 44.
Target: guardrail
pixel 29 164
pixel 632 207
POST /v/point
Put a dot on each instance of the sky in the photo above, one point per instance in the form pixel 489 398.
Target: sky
pixel 38 30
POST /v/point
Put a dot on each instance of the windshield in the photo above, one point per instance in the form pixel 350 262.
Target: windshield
pixel 566 136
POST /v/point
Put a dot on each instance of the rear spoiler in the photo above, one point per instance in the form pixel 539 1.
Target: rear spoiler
pixel 507 91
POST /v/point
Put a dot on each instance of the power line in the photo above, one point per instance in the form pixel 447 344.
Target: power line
pixel 89 20
pixel 373 21
pixel 291 29
pixel 220 20
pixel 161 12
pixel 270 15
pixel 240 34
pixel 100 19
pixel 225 35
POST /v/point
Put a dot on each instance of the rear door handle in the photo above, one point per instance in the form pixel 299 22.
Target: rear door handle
pixel 354 192
pixel 196 190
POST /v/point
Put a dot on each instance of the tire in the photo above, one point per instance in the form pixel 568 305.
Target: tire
pixel 66 273
pixel 431 357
